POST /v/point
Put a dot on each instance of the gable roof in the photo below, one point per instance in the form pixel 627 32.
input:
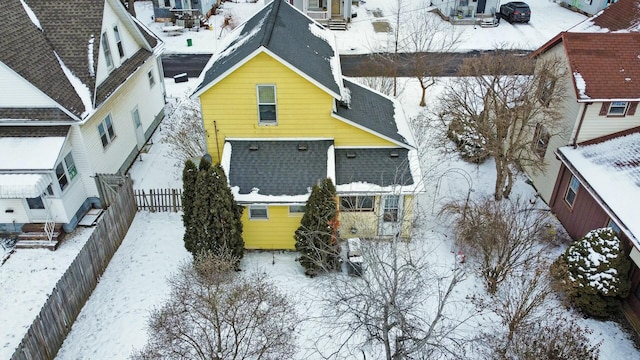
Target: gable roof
pixel 55 46
pixel 605 66
pixel 621 16
pixel 615 161
pixel 373 166
pixel 375 112
pixel 286 34
pixel 276 168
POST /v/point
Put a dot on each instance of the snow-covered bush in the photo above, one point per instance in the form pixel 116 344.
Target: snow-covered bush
pixel 469 143
pixel 597 272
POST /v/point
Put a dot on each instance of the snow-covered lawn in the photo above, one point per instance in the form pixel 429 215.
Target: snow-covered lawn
pixel 112 323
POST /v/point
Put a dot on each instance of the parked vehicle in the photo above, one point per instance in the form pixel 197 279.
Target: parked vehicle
pixel 515 11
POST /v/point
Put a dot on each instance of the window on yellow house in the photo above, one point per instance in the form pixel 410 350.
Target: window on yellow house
pixel 296 209
pixel 356 203
pixel 267 105
pixel 258 212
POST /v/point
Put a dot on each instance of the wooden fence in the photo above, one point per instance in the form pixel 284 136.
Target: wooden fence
pixel 47 332
pixel 161 200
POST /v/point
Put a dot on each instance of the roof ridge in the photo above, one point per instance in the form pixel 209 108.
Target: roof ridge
pixel 271 20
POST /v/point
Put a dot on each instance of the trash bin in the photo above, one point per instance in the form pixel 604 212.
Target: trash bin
pixel 354 257
pixel 189 42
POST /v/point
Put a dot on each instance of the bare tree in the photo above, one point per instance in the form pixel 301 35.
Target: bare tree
pixel 216 313
pixel 503 236
pixel 519 303
pixel 430 40
pixel 184 130
pixel 496 104
pixel 399 307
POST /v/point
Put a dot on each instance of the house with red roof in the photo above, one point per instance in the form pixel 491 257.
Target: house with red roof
pixel 592 178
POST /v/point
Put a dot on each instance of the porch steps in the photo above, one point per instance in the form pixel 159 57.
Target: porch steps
pixel 337 25
pixel 33 236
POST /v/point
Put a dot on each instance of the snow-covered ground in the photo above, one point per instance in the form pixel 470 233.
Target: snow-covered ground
pixel 112 324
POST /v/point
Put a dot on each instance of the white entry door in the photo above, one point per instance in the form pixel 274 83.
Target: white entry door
pixel 37 209
pixel 390 215
pixel 137 124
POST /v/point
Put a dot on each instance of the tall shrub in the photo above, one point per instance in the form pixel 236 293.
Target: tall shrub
pixel 189 176
pixel 316 238
pixel 597 272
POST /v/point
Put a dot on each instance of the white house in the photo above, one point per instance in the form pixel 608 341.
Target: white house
pixel 81 92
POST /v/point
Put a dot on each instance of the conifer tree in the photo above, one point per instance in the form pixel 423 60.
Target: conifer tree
pixel 189 176
pixel 216 215
pixel 316 238
pixel 597 272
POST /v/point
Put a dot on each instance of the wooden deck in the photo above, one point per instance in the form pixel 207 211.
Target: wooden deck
pixel 33 236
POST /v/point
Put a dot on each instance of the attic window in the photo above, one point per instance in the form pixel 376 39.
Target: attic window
pixel 116 34
pixel 253 147
pixel 394 154
pixel 351 155
pixel 618 108
pixel 106 50
pixel 302 147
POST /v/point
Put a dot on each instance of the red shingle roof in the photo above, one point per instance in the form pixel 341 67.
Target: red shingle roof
pixel 623 15
pixel 609 64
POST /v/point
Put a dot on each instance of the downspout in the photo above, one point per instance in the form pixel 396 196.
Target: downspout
pixel 584 112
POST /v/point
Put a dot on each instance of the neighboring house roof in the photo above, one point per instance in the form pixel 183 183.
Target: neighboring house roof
pixel 605 66
pixel 375 112
pixel 37 152
pixel 34 131
pixel 276 168
pixel 54 45
pixel 382 167
pixel 611 170
pixel 286 33
pixel 622 16
pixel 34 114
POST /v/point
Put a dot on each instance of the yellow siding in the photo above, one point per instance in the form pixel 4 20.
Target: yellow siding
pixel 274 233
pixel 364 224
pixel 303 109
pixel 407 216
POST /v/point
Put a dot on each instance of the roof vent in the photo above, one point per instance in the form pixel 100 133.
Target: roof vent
pixel 302 147
pixel 394 154
pixel 343 104
pixel 253 147
pixel 351 155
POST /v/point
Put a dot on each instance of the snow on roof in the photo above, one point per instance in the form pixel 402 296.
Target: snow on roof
pixel 581 85
pixel 612 169
pixel 81 89
pixel 92 72
pixel 334 61
pixel 20 186
pixel 32 15
pixel 36 153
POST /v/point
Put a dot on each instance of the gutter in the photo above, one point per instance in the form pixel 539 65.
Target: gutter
pixel 584 112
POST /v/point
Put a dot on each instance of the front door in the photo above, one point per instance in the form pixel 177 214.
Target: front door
pixel 37 209
pixel 390 215
pixel 481 6
pixel 138 127
pixel 335 8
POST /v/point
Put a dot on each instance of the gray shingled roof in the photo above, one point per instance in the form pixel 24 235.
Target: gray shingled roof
pixel 373 166
pixel 277 167
pixel 34 131
pixel 284 31
pixel 67 29
pixel 371 110
pixel 34 114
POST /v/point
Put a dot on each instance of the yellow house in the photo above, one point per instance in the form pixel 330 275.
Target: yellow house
pixel 279 116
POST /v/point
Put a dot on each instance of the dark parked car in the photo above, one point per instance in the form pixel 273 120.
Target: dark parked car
pixel 515 11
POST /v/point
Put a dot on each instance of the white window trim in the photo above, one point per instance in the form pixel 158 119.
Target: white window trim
pixel 266 209
pixel 106 129
pixel 118 39
pixel 623 113
pixel 569 188
pixel 296 213
pixel 106 50
pixel 65 169
pixel 275 104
